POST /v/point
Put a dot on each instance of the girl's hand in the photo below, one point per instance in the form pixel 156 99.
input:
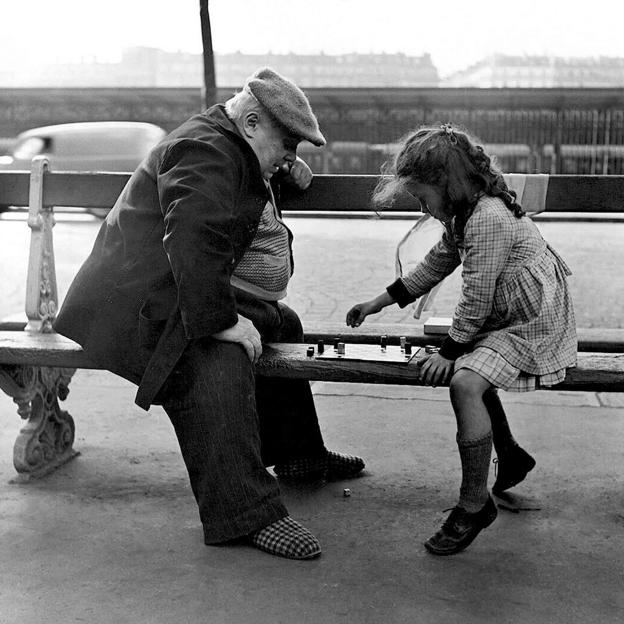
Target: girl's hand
pixel 357 314
pixel 435 369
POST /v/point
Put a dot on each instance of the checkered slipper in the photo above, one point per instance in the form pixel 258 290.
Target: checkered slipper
pixel 341 466
pixel 332 467
pixel 287 538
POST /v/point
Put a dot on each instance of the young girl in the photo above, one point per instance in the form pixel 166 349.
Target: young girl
pixel 513 327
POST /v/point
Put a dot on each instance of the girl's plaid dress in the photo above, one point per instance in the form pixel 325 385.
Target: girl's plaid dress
pixel 515 308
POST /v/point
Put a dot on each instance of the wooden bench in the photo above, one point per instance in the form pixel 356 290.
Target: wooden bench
pixel 36 365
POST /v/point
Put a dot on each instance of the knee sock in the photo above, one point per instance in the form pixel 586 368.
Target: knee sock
pixel 501 433
pixel 475 461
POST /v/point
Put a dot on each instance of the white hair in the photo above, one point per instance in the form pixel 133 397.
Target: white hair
pixel 242 103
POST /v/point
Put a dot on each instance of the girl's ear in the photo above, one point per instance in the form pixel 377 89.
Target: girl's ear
pixel 250 123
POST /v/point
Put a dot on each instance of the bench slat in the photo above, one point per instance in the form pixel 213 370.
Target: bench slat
pixel 595 372
pixel 566 193
pixel 14 188
pixel 32 349
pixel 598 372
pixel 333 193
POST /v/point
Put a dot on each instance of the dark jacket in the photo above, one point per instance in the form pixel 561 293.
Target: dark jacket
pixel 159 272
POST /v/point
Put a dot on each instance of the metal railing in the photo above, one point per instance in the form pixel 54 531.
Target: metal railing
pixel 358 157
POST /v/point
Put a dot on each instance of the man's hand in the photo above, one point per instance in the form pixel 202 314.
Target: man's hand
pixel 435 369
pixel 300 174
pixel 245 333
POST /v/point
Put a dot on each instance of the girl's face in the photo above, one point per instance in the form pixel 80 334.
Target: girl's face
pixel 431 198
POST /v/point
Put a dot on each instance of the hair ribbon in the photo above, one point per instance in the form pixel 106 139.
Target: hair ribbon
pixel 448 131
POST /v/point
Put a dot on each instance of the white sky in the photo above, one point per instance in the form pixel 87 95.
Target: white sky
pixel 455 32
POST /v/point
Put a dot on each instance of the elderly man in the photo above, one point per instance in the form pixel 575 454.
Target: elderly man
pixel 181 289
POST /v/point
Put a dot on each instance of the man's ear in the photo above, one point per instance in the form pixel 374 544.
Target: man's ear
pixel 250 123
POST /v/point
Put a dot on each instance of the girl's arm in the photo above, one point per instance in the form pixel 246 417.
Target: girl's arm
pixel 439 262
pixel 488 240
pixel 357 314
pixel 442 259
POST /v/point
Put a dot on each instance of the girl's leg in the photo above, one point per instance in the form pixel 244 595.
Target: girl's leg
pixel 475 509
pixel 474 437
pixel 514 463
pixel 501 433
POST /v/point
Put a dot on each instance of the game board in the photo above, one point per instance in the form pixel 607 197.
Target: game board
pixel 367 353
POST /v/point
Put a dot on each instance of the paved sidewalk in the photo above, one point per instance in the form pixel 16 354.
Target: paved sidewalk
pixel 114 536
pixel 339 262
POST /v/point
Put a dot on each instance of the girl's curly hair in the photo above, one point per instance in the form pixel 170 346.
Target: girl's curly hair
pixel 451 160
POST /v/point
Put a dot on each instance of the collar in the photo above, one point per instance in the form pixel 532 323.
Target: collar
pixel 218 115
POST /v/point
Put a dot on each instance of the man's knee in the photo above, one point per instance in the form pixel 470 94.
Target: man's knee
pixel 291 329
pixel 210 363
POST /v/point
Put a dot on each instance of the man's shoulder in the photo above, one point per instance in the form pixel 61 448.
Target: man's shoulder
pixel 198 141
pixel 205 130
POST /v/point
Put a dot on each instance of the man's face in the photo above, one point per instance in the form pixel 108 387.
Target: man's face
pixel 274 146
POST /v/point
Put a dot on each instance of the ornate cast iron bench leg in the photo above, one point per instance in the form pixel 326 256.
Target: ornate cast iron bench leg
pixel 45 441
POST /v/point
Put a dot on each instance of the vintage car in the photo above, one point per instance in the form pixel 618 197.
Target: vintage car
pixel 85 146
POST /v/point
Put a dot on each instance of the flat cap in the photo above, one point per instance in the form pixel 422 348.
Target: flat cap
pixel 286 102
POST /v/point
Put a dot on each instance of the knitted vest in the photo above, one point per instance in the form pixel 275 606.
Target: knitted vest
pixel 264 269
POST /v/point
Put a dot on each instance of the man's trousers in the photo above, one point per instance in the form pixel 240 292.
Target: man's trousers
pixel 231 424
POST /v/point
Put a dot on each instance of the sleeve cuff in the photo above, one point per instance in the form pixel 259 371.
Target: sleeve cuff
pixel 400 294
pixel 451 349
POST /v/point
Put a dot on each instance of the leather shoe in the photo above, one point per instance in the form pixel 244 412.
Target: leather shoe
pixel 460 529
pixel 512 468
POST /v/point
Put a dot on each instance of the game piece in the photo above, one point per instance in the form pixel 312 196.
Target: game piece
pixel 384 342
pixel 320 346
pixel 310 351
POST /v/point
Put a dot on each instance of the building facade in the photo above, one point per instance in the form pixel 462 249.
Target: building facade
pixel 152 67
pixel 504 71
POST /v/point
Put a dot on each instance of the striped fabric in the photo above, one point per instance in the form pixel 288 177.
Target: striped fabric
pixel 264 270
pixel 514 299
